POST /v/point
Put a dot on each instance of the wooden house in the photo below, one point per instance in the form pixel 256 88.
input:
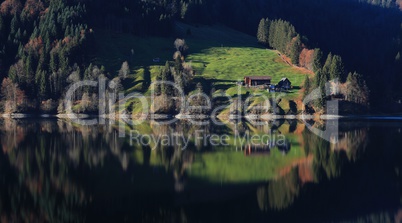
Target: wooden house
pixel 284 84
pixel 255 81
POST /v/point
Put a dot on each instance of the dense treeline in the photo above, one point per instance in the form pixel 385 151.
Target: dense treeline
pixel 282 36
pixel 367 35
pixel 40 41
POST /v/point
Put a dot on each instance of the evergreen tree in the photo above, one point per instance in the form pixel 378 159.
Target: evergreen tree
pixel 320 103
pixel 15 24
pixel 29 65
pixel 317 78
pixel 272 34
pixel 41 82
pixel 147 79
pixel 88 72
pixel 307 86
pixel 336 69
pixel 178 63
pixel 326 68
pixel 295 50
pixel 178 75
pixel 167 77
pixel 53 62
pixel 317 60
pixel 327 63
pixel 158 87
pixel 263 31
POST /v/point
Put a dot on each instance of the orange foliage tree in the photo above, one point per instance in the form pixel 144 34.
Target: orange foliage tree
pixel 12 96
pixel 306 58
pixel 10 7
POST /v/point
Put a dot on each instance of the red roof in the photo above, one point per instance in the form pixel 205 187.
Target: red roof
pixel 259 77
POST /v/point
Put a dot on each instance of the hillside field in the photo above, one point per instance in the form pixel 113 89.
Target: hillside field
pixel 220 56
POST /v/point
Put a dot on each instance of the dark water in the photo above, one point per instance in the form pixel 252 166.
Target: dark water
pixel 56 171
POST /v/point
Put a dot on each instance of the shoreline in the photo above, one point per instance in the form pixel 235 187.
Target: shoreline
pixel 203 117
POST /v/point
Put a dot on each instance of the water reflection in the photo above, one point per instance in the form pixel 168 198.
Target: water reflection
pixel 53 170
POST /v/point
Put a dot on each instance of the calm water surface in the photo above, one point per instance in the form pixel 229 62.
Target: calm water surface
pixel 56 171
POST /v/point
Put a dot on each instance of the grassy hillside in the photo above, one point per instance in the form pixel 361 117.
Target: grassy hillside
pixel 219 55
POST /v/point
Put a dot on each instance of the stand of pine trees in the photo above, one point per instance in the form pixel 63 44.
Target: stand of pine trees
pixel 40 42
pixel 281 35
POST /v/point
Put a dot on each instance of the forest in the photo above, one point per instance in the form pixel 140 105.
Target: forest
pixel 45 45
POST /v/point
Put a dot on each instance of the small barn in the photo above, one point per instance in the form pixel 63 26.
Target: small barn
pixel 254 81
pixel 284 84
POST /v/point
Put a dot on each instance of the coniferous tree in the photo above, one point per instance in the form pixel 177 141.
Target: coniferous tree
pixel 178 75
pixel 178 63
pixel 15 24
pixel 263 31
pixel 158 87
pixel 307 86
pixel 327 63
pixel 326 68
pixel 41 82
pixel 146 79
pixel 320 103
pixel 317 60
pixel 336 70
pixel 295 50
pixel 319 76
pixel 167 76
pixel 272 34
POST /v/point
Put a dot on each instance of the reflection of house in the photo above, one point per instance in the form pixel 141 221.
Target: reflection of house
pixel 256 150
pixel 265 149
pixel 250 81
pixel 284 84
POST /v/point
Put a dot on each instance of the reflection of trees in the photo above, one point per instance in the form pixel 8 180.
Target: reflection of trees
pixel 44 158
pixel 328 162
pixel 279 194
pixel 173 157
pixel 352 142
pixel 329 159
pixel 42 189
pixel 383 217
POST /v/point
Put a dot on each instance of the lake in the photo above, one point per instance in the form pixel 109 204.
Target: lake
pixel 54 170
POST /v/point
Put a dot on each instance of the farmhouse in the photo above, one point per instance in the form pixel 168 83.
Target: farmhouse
pixel 284 84
pixel 253 81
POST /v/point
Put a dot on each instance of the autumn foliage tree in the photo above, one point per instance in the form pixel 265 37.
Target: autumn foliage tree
pixel 306 58
pixel 13 99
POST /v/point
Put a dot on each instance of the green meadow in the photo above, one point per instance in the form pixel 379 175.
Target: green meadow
pixel 219 56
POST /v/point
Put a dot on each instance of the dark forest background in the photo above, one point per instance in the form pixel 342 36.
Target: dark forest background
pixel 43 43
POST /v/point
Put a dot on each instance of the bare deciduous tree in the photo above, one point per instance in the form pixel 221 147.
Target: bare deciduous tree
pixel 124 70
pixel 180 45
